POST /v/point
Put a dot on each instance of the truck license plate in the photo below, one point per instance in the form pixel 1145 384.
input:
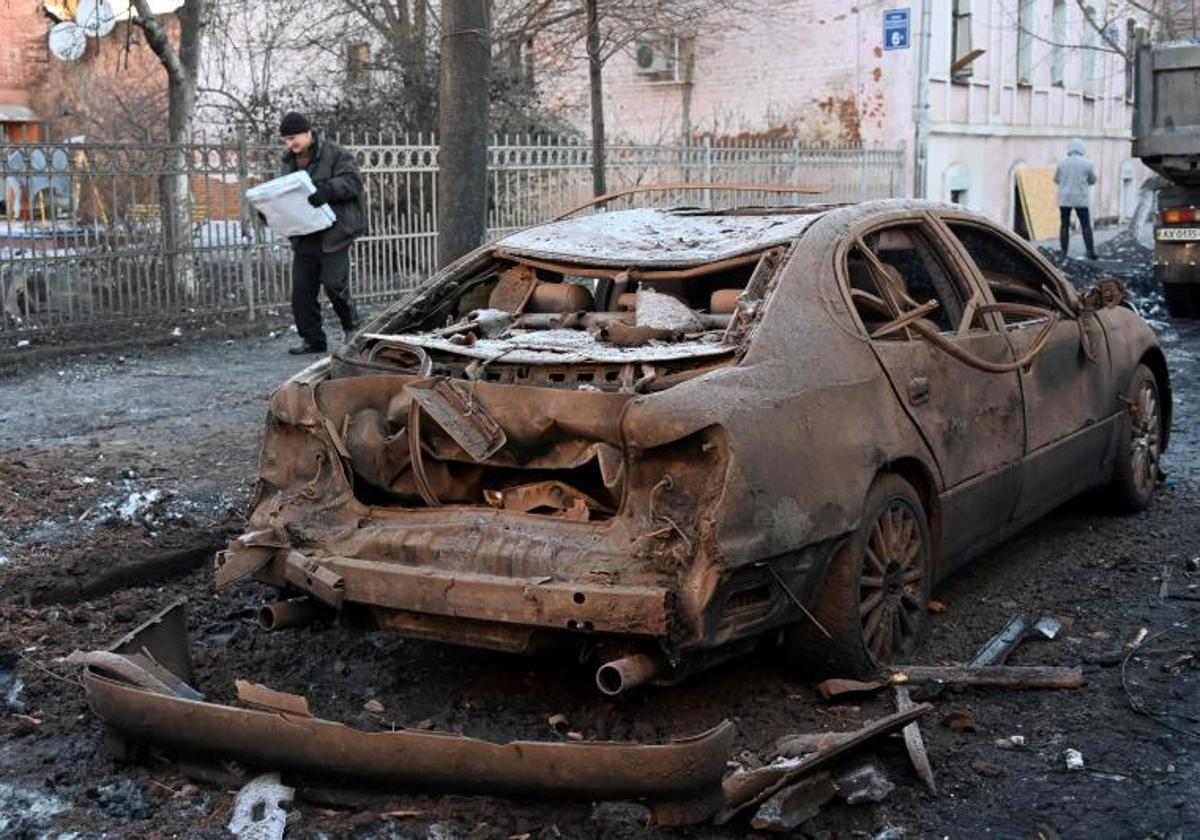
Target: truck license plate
pixel 1178 234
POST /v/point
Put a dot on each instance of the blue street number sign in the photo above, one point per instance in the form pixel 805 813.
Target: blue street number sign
pixel 895 29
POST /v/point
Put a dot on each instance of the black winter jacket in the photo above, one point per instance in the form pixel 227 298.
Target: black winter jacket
pixel 336 167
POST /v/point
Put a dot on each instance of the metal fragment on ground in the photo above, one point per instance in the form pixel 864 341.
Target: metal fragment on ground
pixel 679 781
pixel 914 743
pixel 257 811
pixel 1048 626
pixel 795 805
pixel 828 689
pixel 997 649
pixel 743 790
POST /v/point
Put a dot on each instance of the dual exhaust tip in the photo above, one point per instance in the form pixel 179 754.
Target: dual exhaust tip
pixel 612 678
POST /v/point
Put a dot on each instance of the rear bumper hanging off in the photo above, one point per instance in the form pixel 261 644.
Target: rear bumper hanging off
pixel 680 781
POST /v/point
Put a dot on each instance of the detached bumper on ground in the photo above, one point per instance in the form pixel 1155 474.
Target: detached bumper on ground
pixel 141 688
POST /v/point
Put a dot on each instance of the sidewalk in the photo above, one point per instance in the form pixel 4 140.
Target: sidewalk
pixel 1076 250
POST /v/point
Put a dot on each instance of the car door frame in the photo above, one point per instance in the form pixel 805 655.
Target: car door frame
pixel 969 508
pixel 1066 463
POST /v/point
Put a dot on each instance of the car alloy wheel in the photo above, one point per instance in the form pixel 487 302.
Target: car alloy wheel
pixel 892 598
pixel 1145 437
pixel 1139 451
pixel 871 607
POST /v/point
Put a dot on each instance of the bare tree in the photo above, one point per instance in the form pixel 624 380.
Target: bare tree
pixel 1166 19
pixel 249 43
pixel 595 60
pixel 605 28
pixel 462 127
pixel 405 27
pixel 182 64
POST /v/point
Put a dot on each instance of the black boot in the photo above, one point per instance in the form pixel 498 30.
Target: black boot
pixel 306 349
pixel 1087 241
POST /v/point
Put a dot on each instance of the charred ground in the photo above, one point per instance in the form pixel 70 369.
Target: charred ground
pixel 120 472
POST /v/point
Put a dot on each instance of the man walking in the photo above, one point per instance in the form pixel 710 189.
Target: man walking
pixel 322 259
pixel 1075 176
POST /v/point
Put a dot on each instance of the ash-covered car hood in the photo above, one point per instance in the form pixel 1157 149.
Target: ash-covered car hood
pixel 652 238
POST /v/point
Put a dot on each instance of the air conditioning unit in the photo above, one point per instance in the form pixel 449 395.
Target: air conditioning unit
pixel 656 55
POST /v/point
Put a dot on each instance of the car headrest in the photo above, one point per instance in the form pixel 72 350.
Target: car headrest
pixel 560 297
pixel 723 301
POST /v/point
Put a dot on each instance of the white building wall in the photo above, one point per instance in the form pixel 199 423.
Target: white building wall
pixel 797 68
pixel 817 71
pixel 983 130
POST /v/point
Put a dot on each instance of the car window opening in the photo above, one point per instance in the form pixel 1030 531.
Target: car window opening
pixel 902 274
pixel 1010 275
pixel 890 311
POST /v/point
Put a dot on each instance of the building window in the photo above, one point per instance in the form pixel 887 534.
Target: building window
pixel 960 41
pixel 1026 21
pixel 1058 46
pixel 958 184
pixel 358 63
pixel 1090 82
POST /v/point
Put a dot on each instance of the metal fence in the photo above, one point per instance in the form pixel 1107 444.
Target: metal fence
pixel 82 238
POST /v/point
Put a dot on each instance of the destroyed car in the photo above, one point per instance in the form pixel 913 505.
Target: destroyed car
pixel 665 436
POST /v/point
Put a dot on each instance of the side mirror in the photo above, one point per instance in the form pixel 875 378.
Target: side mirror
pixel 1108 292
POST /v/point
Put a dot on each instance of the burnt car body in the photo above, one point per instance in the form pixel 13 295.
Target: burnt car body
pixel 666 435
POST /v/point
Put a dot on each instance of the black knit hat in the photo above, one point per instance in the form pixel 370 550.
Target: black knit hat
pixel 294 122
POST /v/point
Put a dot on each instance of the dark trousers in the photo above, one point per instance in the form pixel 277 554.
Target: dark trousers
pixel 1085 225
pixel 313 269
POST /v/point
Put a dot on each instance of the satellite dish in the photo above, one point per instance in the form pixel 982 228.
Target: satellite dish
pixel 96 17
pixel 67 41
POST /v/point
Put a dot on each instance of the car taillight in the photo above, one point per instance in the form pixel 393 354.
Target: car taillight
pixel 1178 215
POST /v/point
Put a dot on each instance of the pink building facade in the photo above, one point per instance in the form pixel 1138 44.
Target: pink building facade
pixel 977 89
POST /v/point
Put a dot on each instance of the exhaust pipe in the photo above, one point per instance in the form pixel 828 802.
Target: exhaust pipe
pixel 620 675
pixel 293 613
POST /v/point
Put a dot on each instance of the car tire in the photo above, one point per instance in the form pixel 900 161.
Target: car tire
pixel 1139 445
pixel 874 600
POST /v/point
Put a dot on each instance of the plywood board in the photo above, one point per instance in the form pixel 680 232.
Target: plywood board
pixel 1039 201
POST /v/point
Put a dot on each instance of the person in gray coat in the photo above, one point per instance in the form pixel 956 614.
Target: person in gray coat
pixel 1075 176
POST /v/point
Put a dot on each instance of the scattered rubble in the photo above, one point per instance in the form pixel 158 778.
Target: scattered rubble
pixel 795 804
pixel 27 813
pixel 124 799
pixel 864 781
pixel 258 812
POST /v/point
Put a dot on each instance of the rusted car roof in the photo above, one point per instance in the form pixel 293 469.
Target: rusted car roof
pixel 654 238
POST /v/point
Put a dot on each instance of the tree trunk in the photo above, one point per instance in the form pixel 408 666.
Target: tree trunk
pixel 462 128
pixel 182 68
pixel 422 93
pixel 596 86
